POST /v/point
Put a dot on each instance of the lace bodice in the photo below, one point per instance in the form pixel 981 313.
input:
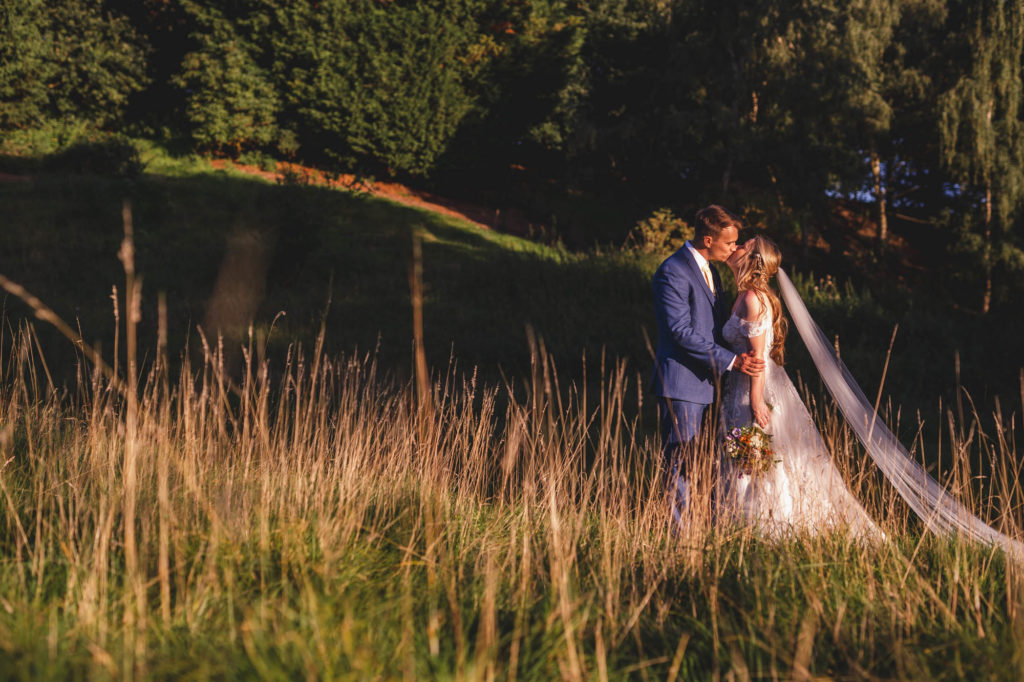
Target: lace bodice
pixel 737 330
pixel 736 385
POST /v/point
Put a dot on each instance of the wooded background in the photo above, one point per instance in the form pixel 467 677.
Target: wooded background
pixel 579 114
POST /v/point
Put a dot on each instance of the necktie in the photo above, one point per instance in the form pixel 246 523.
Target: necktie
pixel 707 276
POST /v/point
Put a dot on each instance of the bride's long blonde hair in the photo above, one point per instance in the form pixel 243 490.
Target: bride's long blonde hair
pixel 753 270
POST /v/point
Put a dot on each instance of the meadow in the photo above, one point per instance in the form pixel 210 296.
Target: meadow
pixel 273 500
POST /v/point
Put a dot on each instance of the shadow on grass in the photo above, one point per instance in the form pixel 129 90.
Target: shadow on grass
pixel 227 249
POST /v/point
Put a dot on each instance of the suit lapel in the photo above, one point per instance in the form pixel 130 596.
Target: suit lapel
pixel 695 269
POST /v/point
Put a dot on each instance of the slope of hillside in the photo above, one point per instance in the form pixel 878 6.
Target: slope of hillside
pixel 226 248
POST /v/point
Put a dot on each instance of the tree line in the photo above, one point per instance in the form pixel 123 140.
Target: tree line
pixel 912 106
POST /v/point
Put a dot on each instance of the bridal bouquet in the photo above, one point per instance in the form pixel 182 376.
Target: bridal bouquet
pixel 750 447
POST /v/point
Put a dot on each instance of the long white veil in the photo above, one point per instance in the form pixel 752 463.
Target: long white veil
pixel 939 510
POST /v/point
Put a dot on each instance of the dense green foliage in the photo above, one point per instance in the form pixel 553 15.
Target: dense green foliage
pixel 70 59
pixel 230 102
pixel 981 129
pixel 910 107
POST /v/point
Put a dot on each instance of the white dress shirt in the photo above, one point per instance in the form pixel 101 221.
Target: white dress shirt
pixel 705 267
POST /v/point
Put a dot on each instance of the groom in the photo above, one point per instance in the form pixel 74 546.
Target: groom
pixel 691 309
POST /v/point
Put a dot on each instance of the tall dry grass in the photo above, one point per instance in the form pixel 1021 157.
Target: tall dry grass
pixel 307 519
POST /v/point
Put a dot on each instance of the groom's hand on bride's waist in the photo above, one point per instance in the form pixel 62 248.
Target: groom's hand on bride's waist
pixel 749 363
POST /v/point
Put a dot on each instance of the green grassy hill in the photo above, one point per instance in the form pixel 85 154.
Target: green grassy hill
pixel 313 254
pixel 227 248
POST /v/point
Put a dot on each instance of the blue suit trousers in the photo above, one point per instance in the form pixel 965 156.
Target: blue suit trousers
pixel 681 421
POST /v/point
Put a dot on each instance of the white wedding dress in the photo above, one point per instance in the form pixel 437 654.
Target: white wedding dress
pixel 803 491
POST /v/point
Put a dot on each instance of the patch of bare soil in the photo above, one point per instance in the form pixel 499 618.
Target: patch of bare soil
pixel 506 220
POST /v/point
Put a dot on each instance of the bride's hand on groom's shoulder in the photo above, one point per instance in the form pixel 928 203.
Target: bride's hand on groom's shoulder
pixel 749 363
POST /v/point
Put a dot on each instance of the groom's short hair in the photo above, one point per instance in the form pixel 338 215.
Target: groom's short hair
pixel 711 220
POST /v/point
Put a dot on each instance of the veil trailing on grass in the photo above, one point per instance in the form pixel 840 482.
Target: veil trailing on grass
pixel 939 511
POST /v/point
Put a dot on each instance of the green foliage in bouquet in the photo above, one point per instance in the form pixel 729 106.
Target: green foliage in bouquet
pixel 750 447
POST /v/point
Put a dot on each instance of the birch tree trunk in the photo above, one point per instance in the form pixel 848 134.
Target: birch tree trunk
pixel 876 171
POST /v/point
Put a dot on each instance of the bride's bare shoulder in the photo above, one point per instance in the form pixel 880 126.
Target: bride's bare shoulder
pixel 748 306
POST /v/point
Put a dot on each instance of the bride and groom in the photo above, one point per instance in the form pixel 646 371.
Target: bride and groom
pixel 702 345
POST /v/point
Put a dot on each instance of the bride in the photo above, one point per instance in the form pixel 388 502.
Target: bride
pixel 802 489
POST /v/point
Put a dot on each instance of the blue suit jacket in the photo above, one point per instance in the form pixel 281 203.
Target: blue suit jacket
pixel 691 353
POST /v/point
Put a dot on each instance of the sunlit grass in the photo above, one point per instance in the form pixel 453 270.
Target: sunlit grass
pixel 318 525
